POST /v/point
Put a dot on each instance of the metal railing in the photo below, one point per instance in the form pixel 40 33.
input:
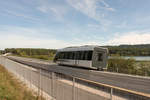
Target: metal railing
pixel 58 86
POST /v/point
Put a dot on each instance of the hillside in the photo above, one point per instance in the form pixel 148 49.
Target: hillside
pixel 130 50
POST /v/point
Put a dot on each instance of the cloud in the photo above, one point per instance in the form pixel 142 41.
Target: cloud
pixel 92 8
pixel 136 37
pixel 29 17
pixel 21 37
pixel 49 7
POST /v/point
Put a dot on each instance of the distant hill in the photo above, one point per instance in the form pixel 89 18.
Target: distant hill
pixel 135 46
pixel 131 46
pixel 130 50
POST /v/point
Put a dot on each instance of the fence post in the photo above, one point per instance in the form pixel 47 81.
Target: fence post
pixel 111 94
pixel 30 78
pixel 39 83
pixel 23 75
pixel 73 98
pixel 41 88
pixel 52 85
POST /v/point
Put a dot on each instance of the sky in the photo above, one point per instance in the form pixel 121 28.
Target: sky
pixel 63 23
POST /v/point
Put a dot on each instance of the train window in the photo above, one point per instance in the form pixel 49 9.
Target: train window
pixel 86 55
pixel 65 55
pixel 100 57
pixel 68 55
pixel 82 55
pixel 78 55
pixel 71 55
pixel 89 55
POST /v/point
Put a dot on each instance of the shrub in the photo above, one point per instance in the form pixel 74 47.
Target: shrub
pixel 122 65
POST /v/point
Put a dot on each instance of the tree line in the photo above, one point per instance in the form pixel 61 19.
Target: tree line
pixel 129 50
pixel 121 50
pixel 46 54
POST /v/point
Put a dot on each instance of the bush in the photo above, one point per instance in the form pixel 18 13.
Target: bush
pixel 122 65
pixel 143 68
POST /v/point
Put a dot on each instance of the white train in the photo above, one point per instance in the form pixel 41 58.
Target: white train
pixel 83 56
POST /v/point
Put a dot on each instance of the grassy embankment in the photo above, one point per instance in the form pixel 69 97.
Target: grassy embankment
pixel 43 57
pixel 12 89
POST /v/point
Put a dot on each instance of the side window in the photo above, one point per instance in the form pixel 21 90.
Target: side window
pixel 89 55
pixel 82 55
pixel 68 55
pixel 72 55
pixel 86 55
pixel 76 55
pixel 99 57
pixel 65 55
pixel 79 55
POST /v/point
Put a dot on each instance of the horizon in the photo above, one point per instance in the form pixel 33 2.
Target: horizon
pixel 77 45
pixel 58 24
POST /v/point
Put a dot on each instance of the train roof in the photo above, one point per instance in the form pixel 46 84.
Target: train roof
pixel 81 48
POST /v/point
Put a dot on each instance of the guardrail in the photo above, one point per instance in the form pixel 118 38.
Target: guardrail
pixel 59 86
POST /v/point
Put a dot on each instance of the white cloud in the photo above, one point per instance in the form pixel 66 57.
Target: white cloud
pixel 21 37
pixel 92 8
pixel 49 7
pixel 21 15
pixel 137 37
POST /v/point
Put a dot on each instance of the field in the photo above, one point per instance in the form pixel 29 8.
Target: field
pixel 12 89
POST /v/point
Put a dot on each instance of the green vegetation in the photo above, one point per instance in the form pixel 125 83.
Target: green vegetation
pixel 46 54
pixel 12 89
pixel 1 52
pixel 129 66
pixel 129 50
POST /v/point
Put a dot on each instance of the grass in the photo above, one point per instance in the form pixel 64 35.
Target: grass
pixel 43 57
pixel 12 89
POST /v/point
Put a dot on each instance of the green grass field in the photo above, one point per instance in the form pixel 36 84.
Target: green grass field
pixel 12 89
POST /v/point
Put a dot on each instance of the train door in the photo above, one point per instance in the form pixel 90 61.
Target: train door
pixel 99 59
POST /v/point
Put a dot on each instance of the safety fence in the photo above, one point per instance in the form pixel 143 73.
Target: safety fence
pixel 58 86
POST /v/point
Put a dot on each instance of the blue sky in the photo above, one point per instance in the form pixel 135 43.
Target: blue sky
pixel 61 23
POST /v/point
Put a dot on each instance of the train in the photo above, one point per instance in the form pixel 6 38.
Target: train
pixel 88 56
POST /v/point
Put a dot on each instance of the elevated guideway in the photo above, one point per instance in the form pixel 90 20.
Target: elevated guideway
pixel 130 83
